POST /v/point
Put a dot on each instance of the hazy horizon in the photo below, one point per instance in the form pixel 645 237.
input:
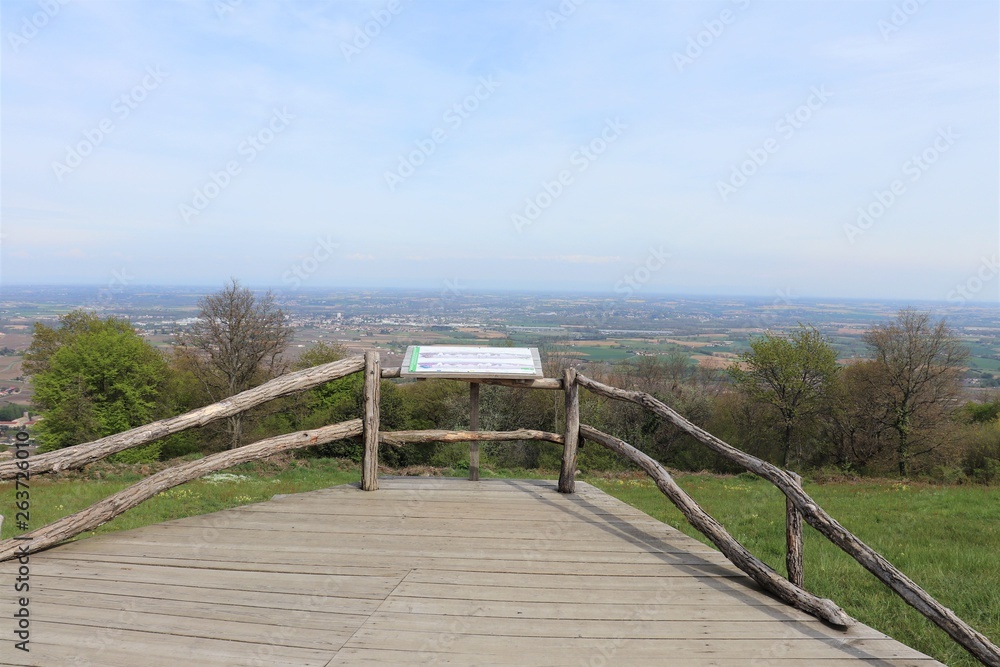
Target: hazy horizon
pixel 464 292
pixel 830 149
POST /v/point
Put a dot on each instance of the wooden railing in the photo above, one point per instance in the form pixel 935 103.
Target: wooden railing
pixel 799 505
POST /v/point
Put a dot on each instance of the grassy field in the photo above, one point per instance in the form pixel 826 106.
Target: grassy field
pixel 945 538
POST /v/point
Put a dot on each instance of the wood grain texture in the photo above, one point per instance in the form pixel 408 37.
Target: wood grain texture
pixel 769 579
pixel 118 503
pixel 567 470
pixel 398 438
pixel 369 459
pixel 426 571
pixel 972 640
pixel 794 554
pixel 474 426
pixel 80 455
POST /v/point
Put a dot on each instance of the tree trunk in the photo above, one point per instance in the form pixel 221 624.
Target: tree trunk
pixel 788 444
pixel 902 452
pixel 235 430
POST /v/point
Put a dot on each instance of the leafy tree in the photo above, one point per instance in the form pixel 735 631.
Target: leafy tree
pixel 920 367
pixel 240 338
pixel 791 374
pixel 93 378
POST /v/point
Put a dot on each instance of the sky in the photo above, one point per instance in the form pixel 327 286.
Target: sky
pixel 809 148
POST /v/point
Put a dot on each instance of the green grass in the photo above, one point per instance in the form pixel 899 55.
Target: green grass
pixel 944 538
pixel 53 498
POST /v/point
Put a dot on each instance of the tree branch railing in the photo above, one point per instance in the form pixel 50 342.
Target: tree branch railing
pixel 117 503
pixel 800 506
pixel 768 579
pixel 78 456
pixel 973 641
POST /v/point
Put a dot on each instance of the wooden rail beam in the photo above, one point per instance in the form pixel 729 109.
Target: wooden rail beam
pixel 973 641
pixel 126 499
pixel 539 383
pixel 398 438
pixel 713 530
pixel 80 455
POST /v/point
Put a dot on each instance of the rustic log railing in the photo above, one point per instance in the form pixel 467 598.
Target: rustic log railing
pixel 799 505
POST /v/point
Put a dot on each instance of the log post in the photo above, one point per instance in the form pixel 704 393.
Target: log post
pixel 793 537
pixel 474 426
pixel 567 473
pixel 768 579
pixel 972 640
pixel 369 460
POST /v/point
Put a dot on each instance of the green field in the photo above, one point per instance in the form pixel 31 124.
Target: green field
pixel 945 538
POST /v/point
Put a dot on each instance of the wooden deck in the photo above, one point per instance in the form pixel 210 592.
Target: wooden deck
pixel 423 571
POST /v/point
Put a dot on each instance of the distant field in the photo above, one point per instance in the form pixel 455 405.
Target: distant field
pixel 981 364
pixel 600 353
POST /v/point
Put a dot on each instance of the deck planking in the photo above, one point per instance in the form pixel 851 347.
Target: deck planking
pixel 422 571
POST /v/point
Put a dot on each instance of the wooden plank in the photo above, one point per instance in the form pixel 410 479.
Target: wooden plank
pixel 308 618
pixel 374 656
pixel 636 627
pixel 80 644
pixel 496 572
pixel 804 649
pixel 668 606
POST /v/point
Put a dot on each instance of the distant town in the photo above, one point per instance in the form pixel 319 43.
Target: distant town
pixel 588 328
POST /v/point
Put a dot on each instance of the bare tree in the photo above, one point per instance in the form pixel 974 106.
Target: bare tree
pixel 921 368
pixel 241 337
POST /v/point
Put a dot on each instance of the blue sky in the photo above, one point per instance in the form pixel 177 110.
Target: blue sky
pixel 622 147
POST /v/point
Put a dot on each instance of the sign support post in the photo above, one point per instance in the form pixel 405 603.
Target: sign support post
pixel 474 426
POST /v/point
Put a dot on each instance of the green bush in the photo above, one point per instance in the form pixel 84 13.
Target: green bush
pixel 146 454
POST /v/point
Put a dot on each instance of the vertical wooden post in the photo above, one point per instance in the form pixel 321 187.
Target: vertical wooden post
pixel 369 461
pixel 567 473
pixel 473 426
pixel 793 537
